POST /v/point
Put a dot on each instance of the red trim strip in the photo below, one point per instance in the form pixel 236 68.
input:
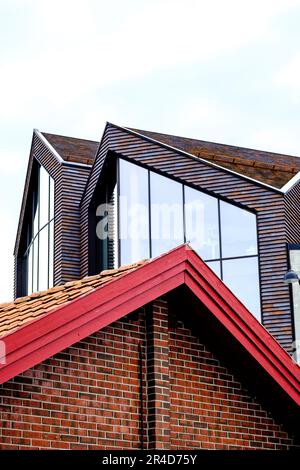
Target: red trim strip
pixel 59 329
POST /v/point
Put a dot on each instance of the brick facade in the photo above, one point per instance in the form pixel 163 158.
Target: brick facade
pixel 144 381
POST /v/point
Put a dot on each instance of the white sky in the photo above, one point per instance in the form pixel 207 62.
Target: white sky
pixel 225 71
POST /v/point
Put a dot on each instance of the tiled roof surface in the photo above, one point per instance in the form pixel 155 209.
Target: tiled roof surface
pixel 25 309
pixel 267 167
pixel 72 149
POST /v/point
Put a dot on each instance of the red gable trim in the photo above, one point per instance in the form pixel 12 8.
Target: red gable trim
pixel 59 329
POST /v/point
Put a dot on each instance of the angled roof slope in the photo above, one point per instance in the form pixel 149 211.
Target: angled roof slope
pixel 72 149
pixel 51 332
pixel 25 309
pixel 267 167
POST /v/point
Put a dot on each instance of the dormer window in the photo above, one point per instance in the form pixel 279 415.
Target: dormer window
pixel 148 214
pixel 39 250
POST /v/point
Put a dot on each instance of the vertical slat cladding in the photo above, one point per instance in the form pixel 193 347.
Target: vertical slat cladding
pixel 269 206
pixel 292 213
pixel 70 181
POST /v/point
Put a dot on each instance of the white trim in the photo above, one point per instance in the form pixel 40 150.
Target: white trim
pixel 279 190
pixel 56 154
pixel 291 183
pixel 67 162
pixel 48 145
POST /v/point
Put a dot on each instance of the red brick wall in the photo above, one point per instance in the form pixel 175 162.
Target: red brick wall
pixel 210 409
pixel 83 398
pixel 89 396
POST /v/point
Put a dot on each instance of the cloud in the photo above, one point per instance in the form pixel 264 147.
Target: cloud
pixel 72 54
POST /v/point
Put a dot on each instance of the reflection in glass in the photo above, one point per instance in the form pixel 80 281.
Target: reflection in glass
pixel 51 198
pixel 43 259
pixel 201 222
pixel 238 231
pixel 44 197
pixel 29 274
pixel 36 216
pixel 35 254
pixel 241 276
pixel 134 213
pixel 51 252
pixel 215 266
pixel 166 214
pixel 39 249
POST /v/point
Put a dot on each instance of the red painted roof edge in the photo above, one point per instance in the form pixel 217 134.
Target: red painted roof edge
pixel 60 328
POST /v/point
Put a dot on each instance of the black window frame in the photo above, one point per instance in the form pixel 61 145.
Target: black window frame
pixel 28 237
pixel 106 175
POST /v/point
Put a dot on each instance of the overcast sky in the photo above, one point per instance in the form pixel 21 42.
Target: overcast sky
pixel 224 71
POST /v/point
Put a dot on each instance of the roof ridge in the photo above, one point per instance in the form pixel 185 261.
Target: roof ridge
pixel 246 161
pixel 219 144
pixel 70 137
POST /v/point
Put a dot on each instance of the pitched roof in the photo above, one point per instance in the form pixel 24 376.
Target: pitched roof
pixel 15 314
pixel 72 149
pixel 270 367
pixel 267 167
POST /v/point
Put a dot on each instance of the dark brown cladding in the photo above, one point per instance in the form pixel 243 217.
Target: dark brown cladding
pixel 72 149
pixel 70 181
pixel 269 168
pixel 269 204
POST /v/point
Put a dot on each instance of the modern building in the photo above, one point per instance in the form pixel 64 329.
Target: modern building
pixel 150 305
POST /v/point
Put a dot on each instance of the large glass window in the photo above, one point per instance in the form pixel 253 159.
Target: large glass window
pixel 241 276
pixel 238 231
pixel 40 240
pixel 294 256
pixel 134 220
pixel 202 223
pixel 156 213
pixel 166 214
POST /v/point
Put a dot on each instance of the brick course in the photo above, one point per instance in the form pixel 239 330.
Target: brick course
pixel 89 395
pixel 210 408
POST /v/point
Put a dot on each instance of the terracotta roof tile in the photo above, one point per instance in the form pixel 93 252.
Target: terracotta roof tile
pixel 267 167
pixel 24 309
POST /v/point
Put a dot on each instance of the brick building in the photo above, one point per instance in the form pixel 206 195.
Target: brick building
pixel 138 339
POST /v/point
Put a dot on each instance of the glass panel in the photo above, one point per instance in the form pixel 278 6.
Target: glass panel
pixel 116 228
pixel 201 221
pixel 134 213
pixel 215 266
pixel 35 264
pixel 51 200
pixel 44 197
pixel 238 231
pixel 36 217
pixel 166 214
pixel 29 271
pixel 51 254
pixel 43 259
pixel 295 265
pixel 241 276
